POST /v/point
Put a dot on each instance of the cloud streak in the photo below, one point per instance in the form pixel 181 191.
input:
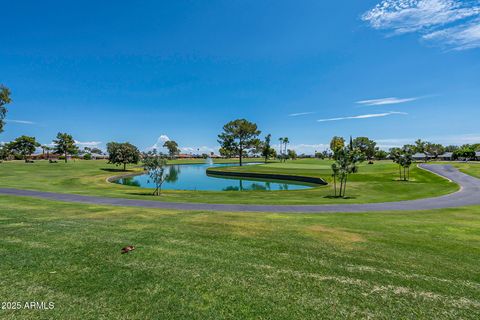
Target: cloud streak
pixel 364 116
pixel 19 121
pixel 300 114
pixel 385 101
pixel 88 143
pixel 451 23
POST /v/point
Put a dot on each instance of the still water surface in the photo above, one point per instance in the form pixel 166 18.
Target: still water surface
pixel 194 177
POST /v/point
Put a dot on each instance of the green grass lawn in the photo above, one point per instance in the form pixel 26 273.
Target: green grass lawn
pixel 471 168
pixel 205 265
pixel 373 183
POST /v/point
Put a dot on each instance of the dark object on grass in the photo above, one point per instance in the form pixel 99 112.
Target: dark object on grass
pixel 52 161
pixel 127 249
pixel 370 162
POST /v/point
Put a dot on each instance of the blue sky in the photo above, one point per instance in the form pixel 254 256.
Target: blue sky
pixel 104 71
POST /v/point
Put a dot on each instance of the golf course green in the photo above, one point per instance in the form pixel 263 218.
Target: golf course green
pixel 205 265
pixel 373 183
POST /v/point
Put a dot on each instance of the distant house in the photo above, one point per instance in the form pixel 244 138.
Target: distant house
pixel 419 156
pixel 45 156
pixel 447 156
pixel 477 155
pixel 184 156
pixel 97 156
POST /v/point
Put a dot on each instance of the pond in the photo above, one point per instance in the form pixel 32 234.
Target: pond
pixel 194 177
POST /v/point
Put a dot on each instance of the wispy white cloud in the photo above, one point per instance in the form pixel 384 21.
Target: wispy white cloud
pixel 447 22
pixel 364 116
pixel 90 144
pixel 300 114
pixel 19 121
pixel 385 101
pixel 158 145
pixel 465 36
pixel 199 149
pixel 458 139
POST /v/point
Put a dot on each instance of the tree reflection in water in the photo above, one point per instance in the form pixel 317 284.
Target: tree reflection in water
pixel 173 174
pixel 130 181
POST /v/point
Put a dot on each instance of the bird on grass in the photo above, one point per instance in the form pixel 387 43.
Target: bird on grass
pixel 127 249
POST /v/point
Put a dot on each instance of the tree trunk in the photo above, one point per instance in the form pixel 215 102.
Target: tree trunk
pixel 345 185
pixel 124 167
pixel 65 154
pixel 341 186
pixel 241 154
pixel 335 185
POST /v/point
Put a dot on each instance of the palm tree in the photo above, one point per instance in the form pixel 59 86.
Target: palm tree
pixel 286 142
pixel 280 153
pixel 45 148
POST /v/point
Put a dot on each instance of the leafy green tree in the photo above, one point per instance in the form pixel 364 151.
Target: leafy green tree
pixel 4 152
pixel 404 158
pixel 267 148
pixel 65 144
pixel 226 153
pixel 434 149
pixel 465 153
pixel 336 144
pixel 346 161
pixel 156 164
pixel 122 154
pixel 421 147
pixel 292 154
pixel 96 151
pixel 366 146
pixel 319 155
pixel 4 100
pixel 395 154
pixel 239 136
pixel 23 146
pixel 451 148
pixel 172 147
pixel 381 155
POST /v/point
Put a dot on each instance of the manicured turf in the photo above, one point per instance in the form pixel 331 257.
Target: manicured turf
pixel 373 183
pixel 471 168
pixel 203 265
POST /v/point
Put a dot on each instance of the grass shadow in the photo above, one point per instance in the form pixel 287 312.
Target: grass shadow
pixel 337 197
pixel 116 170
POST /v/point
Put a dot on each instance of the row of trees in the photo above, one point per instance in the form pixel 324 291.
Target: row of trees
pixel 25 146
pixel 4 100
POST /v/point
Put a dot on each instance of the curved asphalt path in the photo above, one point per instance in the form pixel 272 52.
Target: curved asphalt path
pixel 468 195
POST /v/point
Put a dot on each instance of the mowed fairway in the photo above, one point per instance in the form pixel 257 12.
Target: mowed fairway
pixel 373 183
pixel 471 168
pixel 203 265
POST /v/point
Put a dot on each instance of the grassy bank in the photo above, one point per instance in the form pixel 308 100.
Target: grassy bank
pixel 203 265
pixel 471 168
pixel 373 183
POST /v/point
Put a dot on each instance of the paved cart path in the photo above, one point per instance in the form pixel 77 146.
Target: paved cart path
pixel 468 195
